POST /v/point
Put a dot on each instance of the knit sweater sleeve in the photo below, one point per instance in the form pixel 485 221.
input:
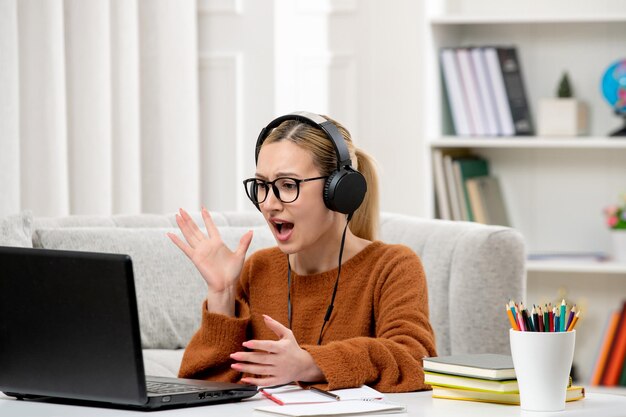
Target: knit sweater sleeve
pixel 207 356
pixel 391 360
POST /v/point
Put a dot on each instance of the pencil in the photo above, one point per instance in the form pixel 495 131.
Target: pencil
pixel 574 321
pixel 509 313
pixel 570 317
pixel 540 318
pixel 557 321
pixel 546 319
pixel 520 319
pixel 512 307
pixel 552 313
pixel 563 318
pixel 535 319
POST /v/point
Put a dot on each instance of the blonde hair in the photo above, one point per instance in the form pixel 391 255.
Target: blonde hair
pixel 364 223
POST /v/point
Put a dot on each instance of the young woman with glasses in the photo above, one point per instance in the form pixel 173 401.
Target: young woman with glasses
pixel 292 312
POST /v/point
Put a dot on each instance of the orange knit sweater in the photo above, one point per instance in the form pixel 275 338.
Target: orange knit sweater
pixel 377 335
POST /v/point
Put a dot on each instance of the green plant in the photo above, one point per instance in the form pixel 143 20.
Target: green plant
pixel 615 215
pixel 565 90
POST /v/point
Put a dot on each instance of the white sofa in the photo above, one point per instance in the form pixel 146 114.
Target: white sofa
pixel 472 270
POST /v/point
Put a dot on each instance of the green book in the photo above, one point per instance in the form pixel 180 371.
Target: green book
pixel 467 168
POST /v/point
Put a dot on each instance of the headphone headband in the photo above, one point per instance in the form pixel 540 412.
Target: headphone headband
pixel 345 188
pixel 315 120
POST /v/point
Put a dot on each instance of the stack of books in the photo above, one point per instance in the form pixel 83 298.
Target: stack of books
pixel 485 91
pixel 466 190
pixel 479 377
pixel 610 365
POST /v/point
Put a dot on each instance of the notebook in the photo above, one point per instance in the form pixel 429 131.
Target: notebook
pixel 480 365
pixel 69 331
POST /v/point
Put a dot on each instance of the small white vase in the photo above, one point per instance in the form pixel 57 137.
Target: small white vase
pixel 619 245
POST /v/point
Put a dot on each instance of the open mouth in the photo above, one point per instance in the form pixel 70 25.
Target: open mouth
pixel 283 229
pixel 283 226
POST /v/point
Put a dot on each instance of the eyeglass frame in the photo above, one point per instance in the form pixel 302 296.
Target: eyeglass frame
pixel 275 190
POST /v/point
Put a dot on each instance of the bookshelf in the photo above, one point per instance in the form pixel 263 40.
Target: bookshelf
pixel 554 187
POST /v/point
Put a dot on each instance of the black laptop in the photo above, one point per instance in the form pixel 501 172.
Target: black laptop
pixel 69 330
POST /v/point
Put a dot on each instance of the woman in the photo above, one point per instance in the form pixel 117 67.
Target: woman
pixel 292 312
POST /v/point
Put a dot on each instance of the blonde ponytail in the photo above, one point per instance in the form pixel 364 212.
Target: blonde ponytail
pixel 364 223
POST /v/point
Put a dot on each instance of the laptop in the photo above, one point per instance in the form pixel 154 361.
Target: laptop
pixel 69 330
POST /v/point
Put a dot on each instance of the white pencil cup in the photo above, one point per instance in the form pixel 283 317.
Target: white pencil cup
pixel 542 362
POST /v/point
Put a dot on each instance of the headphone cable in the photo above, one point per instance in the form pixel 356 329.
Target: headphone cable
pixel 329 310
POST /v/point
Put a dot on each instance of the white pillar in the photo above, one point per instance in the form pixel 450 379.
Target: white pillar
pixel 9 110
pixel 125 115
pixel 43 126
pixel 88 60
pixel 169 105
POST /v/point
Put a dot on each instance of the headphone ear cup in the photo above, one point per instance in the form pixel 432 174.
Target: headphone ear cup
pixel 345 190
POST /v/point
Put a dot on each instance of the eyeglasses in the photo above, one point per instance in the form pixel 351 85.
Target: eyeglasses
pixel 285 189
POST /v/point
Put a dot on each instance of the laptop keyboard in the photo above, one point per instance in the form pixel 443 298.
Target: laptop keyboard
pixel 170 388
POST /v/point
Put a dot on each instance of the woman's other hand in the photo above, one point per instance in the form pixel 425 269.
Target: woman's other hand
pixel 219 266
pixel 276 362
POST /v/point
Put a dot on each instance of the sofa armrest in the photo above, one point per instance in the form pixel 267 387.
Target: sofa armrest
pixel 472 270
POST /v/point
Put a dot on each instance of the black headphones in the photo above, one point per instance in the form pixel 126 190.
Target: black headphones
pixel 345 188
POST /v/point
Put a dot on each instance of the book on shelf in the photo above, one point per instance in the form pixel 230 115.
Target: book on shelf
pixel 475 111
pixel 465 382
pixel 454 92
pixel 573 393
pixel 466 168
pixel 454 196
pixel 504 116
pixel 449 200
pixel 617 353
pixel 605 345
pixel 480 365
pixel 441 187
pixel 485 90
pixel 569 256
pixel 487 201
pixel 510 67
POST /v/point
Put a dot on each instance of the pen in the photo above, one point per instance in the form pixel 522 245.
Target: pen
pixel 326 393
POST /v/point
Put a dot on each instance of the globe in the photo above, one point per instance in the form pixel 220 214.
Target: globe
pixel 614 90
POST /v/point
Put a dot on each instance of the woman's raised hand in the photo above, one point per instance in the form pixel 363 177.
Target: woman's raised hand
pixel 219 266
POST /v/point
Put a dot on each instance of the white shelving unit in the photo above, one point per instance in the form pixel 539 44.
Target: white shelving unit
pixel 555 188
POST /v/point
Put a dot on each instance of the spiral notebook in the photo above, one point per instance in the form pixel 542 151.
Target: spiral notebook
pixel 294 394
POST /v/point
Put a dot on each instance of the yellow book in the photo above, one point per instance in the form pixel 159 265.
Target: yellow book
pixel 464 382
pixel 573 393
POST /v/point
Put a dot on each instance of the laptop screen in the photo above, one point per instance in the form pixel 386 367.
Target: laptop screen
pixel 69 326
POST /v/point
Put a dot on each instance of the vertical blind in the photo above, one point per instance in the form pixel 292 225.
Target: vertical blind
pixel 98 106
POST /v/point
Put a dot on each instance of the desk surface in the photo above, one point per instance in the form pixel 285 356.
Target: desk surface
pixel 418 404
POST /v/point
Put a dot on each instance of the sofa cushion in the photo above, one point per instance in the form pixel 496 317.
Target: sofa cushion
pixel 169 288
pixel 15 230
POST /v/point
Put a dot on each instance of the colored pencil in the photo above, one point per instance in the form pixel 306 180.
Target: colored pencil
pixel 509 313
pixel 573 323
pixel 563 317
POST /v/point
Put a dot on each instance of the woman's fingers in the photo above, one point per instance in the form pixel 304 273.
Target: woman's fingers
pixel 185 229
pixel 182 245
pixel 208 223
pixel 244 244
pixel 192 226
pixel 278 329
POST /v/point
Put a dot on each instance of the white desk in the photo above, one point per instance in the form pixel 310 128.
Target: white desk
pixel 419 404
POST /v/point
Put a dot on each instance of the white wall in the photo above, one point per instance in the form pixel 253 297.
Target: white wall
pixel 357 61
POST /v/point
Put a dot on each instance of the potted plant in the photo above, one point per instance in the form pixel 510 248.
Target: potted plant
pixel 564 115
pixel 615 216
